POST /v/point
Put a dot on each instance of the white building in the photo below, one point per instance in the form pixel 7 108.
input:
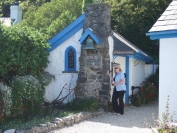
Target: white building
pixel 67 44
pixel 66 48
pixel 15 15
pixel 165 29
pixel 5 21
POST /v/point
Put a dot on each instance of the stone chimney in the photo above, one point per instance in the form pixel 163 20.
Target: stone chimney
pixel 16 13
pixel 93 80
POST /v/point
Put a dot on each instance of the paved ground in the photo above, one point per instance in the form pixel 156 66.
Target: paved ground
pixel 131 122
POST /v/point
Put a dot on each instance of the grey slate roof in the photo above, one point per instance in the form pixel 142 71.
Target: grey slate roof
pixel 168 20
pixel 123 46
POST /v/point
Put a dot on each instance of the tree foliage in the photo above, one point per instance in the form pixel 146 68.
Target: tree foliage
pixel 25 4
pixel 46 17
pixel 5 8
pixel 22 51
pixel 133 18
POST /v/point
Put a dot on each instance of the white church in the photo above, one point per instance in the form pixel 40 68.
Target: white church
pixel 66 49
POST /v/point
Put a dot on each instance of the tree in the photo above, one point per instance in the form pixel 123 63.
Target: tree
pixel 25 4
pixel 22 51
pixel 5 8
pixel 49 14
pixel 60 23
pixel 133 18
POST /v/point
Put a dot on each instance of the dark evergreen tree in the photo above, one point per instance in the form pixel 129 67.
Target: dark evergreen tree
pixel 133 18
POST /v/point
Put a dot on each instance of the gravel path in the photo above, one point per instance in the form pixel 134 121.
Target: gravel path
pixel 131 122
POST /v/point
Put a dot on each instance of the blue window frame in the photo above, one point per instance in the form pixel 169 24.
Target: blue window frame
pixel 70 59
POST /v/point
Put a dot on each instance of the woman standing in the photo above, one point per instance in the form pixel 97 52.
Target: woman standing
pixel 119 90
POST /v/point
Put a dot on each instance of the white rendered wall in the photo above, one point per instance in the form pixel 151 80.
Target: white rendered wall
pixel 168 75
pixel 16 13
pixel 149 69
pixel 111 44
pixel 5 21
pixel 137 72
pixel 57 65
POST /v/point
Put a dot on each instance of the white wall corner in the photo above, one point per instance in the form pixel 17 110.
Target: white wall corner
pixel 56 67
pixel 168 75
pixel 16 13
pixel 111 44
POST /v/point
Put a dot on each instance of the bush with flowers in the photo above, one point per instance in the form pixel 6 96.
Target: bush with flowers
pixel 154 78
pixel 23 87
pixel 147 93
pixel 167 124
pixel 7 97
pixel 148 90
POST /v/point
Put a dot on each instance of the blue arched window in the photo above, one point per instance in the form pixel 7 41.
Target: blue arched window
pixel 70 59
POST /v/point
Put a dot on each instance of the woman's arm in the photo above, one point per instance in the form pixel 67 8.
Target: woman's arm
pixel 108 73
pixel 120 82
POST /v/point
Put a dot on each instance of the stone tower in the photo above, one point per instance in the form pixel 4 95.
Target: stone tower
pixel 92 79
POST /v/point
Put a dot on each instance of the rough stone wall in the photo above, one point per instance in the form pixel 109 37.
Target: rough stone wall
pixel 93 81
pixel 58 123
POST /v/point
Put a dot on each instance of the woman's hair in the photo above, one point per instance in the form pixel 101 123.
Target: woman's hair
pixel 118 67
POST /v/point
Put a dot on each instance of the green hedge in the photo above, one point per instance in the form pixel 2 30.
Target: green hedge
pixel 23 51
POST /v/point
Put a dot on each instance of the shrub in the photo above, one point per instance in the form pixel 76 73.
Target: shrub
pixel 28 87
pixel 147 93
pixel 148 90
pixel 86 104
pixel 154 78
pixel 7 96
pixel 22 51
pixel 25 87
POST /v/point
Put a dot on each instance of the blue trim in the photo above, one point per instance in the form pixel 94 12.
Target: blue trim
pixel 67 32
pixel 142 57
pixel 69 71
pixel 66 59
pixel 162 34
pixel 139 56
pixel 88 32
pixel 127 79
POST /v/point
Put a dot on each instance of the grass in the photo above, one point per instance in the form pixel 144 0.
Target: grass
pixel 19 123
